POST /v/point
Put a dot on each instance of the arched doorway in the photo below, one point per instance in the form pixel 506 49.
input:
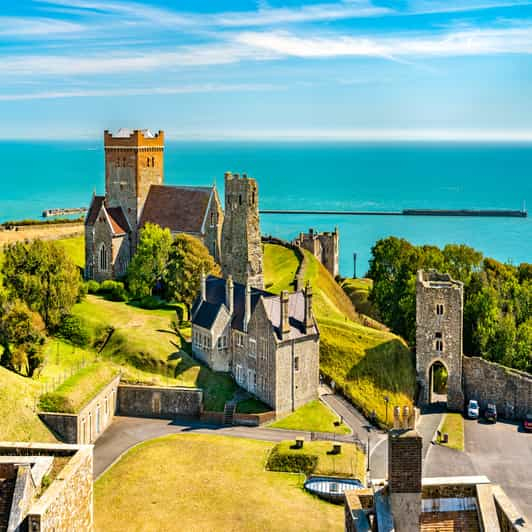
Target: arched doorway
pixel 438 376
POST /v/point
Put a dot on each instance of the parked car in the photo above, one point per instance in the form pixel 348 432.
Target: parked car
pixel 473 410
pixel 491 413
pixel 527 422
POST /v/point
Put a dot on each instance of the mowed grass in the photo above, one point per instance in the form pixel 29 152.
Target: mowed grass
pixel 148 350
pixel 349 463
pixel 197 482
pixel 313 417
pixel 280 266
pixel 75 249
pixel 366 364
pixel 19 420
pixel 453 425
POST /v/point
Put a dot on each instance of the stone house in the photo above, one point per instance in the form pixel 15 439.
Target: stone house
pixel 135 195
pixel 269 343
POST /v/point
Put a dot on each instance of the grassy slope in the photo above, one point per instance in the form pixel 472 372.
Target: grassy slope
pixel 313 417
pixel 18 396
pixel 75 248
pixel 144 345
pixel 358 291
pixel 366 363
pixel 280 266
pixel 215 483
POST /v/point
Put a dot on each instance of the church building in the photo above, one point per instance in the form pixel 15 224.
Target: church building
pixel 135 195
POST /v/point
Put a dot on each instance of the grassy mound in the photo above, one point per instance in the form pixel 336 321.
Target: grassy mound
pixel 214 483
pixel 365 363
pixel 358 292
pixel 280 266
pixel 312 417
pixel 73 394
pixel 18 398
pixel 316 458
pixel 148 350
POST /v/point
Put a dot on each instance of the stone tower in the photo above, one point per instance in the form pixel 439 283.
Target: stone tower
pixel 134 160
pixel 439 319
pixel 241 240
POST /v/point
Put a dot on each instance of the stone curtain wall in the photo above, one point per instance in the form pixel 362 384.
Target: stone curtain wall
pixel 159 402
pixel 488 382
pixel 68 503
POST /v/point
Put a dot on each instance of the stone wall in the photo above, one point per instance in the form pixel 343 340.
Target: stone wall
pixel 488 382
pixel 159 402
pixel 68 503
pixel 90 422
pixel 439 315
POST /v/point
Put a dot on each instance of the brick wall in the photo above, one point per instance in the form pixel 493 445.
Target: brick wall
pixel 158 401
pixel 405 461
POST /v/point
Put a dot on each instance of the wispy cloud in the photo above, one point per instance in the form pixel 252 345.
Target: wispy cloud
pixel 467 42
pixel 455 6
pixel 161 91
pixel 42 27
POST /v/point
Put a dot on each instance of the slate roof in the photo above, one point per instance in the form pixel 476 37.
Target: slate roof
pixel 204 313
pixel 94 209
pixel 180 209
pixel 118 220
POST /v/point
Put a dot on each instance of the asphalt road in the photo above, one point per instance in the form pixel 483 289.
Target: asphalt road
pixel 501 451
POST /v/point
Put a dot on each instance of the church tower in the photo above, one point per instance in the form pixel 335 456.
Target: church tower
pixel 134 160
pixel 241 240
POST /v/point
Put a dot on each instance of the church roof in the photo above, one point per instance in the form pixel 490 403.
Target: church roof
pixel 118 220
pixel 205 312
pixel 180 209
pixel 94 209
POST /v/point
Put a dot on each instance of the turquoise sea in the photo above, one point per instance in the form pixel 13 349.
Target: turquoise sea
pixel 338 176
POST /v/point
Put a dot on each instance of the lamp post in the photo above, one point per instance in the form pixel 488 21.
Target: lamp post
pixel 387 401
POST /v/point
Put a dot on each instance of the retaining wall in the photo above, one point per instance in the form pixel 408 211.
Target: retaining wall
pixel 488 382
pixel 90 422
pixel 250 420
pixel 158 401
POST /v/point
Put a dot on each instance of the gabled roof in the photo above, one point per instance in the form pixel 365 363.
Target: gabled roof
pixel 204 312
pixel 94 209
pixel 180 209
pixel 118 220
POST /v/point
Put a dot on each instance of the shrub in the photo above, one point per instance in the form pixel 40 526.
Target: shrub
pixel 74 330
pixel 113 290
pixel 149 302
pixel 55 402
pixel 292 463
pixel 93 287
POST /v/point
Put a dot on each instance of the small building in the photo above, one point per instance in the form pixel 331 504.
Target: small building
pixel 268 342
pixel 324 246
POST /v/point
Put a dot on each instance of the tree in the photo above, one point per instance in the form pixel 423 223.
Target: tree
pixel 21 337
pixel 147 268
pixel 187 259
pixel 461 261
pixel 42 275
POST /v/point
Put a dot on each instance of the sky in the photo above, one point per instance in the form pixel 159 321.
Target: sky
pixel 214 69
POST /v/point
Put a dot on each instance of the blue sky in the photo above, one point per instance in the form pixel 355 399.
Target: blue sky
pixel 353 69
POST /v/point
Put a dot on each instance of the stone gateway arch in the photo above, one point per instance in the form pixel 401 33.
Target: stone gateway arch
pixel 439 323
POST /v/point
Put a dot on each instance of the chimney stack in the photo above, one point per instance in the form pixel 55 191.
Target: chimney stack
pixel 229 294
pixel 247 310
pixel 285 323
pixel 309 321
pixel 203 286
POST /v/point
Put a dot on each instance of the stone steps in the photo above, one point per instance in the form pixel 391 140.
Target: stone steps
pixel 229 413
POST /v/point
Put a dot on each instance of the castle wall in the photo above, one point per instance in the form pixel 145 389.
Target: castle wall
pixel 241 242
pixel 439 316
pixel 324 246
pixel 488 382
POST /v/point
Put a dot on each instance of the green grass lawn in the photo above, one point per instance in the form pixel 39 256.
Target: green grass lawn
pixel 453 425
pixel 77 391
pixel 358 291
pixel 252 406
pixel 365 363
pixel 75 249
pixel 280 266
pixel 313 417
pixel 148 350
pixel 197 482
pixel 349 463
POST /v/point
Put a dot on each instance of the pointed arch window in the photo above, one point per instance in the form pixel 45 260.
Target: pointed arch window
pixel 103 258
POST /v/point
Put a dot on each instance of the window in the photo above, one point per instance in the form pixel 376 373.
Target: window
pixel 153 161
pixel 252 347
pixel 296 363
pixel 239 373
pixel 240 199
pixel 253 198
pixel 239 340
pixel 147 161
pixel 439 309
pixel 439 342
pixel 212 219
pixel 103 258
pixel 222 342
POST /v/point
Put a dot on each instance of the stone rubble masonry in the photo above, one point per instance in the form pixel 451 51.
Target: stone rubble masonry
pixel 92 420
pixel 439 322
pixel 324 246
pixel 159 401
pixel 67 504
pixel 241 240
pixel 488 382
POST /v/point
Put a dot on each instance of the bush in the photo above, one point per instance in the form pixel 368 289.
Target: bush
pixel 74 330
pixel 292 463
pixel 149 302
pixel 93 287
pixel 55 402
pixel 113 290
